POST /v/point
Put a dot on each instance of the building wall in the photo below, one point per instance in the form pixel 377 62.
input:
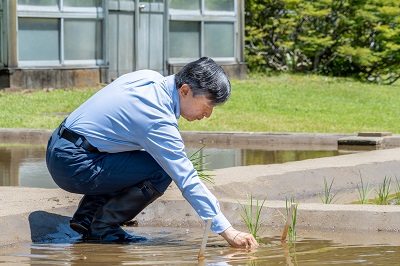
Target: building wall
pixel 46 45
pixel 52 78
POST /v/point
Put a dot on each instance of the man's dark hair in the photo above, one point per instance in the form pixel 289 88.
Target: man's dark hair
pixel 205 77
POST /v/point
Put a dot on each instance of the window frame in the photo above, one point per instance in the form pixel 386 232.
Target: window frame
pixel 62 13
pixel 202 16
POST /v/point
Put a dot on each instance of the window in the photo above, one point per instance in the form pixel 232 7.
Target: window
pixel 184 39
pixel 219 5
pixel 38 39
pixel 80 3
pixel 202 28
pixel 218 39
pixel 187 5
pixel 39 3
pixel 83 39
pixel 60 32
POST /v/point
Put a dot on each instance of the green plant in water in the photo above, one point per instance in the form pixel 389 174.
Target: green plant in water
pixel 292 228
pixel 329 197
pixel 383 192
pixel 363 191
pixel 397 192
pixel 252 215
pixel 197 160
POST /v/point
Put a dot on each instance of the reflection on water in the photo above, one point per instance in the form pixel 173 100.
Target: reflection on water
pixel 179 246
pixel 25 165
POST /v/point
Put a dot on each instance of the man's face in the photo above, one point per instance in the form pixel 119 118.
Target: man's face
pixel 193 108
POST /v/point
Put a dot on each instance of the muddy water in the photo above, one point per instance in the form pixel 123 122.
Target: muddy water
pixel 174 246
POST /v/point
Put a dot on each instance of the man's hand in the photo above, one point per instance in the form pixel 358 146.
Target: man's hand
pixel 239 239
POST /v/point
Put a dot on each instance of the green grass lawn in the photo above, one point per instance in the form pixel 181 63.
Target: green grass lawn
pixel 284 103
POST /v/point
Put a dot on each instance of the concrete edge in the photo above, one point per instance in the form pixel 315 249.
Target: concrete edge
pixel 52 224
pixel 310 216
pixel 235 139
pixel 37 136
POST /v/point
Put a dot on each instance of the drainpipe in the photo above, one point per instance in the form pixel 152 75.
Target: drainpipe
pixel 12 34
pixel 136 34
pixel 166 39
pixel 241 16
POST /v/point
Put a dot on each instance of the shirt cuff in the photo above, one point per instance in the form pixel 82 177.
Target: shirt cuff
pixel 220 223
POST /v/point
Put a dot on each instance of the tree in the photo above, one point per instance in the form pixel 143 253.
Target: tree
pixel 374 47
pixel 335 37
pixel 269 29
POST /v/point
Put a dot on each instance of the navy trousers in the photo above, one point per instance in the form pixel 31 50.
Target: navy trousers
pixel 77 170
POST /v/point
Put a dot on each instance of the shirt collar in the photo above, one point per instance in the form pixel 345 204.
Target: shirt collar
pixel 175 95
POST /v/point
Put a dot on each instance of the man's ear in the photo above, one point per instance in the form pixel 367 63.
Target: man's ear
pixel 184 89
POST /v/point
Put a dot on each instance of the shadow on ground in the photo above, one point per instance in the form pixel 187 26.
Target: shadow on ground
pixel 48 227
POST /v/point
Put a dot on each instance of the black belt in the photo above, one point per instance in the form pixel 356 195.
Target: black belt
pixel 78 140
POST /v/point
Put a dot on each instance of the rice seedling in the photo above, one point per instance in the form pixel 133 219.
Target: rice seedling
pixel 363 191
pixel 197 160
pixel 252 215
pixel 397 192
pixel 383 192
pixel 292 228
pixel 329 196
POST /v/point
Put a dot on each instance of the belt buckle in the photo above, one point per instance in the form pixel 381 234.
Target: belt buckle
pixel 79 142
pixel 61 130
pixel 62 127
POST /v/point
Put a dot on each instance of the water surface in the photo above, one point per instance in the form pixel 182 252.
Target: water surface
pixel 24 165
pixel 179 246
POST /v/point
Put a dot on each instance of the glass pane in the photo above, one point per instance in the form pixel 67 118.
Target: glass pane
pixel 152 1
pixel 38 39
pixel 126 5
pixel 219 39
pixel 184 39
pixel 83 39
pixel 185 4
pixel 80 3
pixel 38 2
pixel 219 5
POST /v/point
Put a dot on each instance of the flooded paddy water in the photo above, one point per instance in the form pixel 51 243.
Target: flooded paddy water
pixel 180 246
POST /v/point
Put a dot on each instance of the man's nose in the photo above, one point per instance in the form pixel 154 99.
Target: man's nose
pixel 208 113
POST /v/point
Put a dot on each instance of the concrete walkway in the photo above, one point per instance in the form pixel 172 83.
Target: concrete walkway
pixel 35 214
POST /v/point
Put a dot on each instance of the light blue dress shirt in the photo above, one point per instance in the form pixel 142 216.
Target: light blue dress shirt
pixel 137 111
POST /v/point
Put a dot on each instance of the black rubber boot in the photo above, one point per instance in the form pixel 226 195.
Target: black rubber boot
pixel 121 208
pixel 87 208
